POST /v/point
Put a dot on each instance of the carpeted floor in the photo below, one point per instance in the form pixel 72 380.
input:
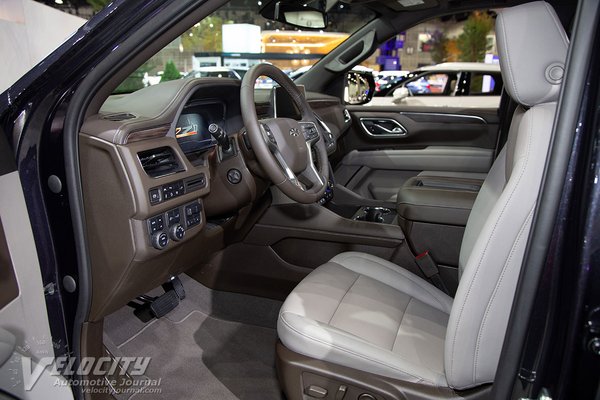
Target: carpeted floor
pixel 214 345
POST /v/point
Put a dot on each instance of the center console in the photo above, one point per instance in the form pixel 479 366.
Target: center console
pixel 433 212
pixel 382 215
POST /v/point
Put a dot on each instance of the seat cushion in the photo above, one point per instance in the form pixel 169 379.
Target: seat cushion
pixel 366 313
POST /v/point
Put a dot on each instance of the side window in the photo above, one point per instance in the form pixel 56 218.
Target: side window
pixel 485 84
pixel 429 64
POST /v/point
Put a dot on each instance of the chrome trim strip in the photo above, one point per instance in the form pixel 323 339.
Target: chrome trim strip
pixel 464 116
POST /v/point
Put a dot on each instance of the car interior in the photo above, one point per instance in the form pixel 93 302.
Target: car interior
pixel 285 243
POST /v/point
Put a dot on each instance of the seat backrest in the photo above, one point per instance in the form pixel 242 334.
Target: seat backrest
pixel 532 48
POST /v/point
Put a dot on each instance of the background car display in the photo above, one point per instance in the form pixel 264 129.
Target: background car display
pixel 445 85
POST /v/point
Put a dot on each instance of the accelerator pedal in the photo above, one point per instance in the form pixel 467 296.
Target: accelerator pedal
pixel 164 304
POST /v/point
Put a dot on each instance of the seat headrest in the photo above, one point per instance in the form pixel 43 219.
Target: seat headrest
pixel 532 47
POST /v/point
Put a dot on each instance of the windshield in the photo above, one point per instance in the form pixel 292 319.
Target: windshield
pixel 236 37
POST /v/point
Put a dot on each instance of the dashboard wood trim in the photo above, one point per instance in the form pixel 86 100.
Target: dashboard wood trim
pixel 145 134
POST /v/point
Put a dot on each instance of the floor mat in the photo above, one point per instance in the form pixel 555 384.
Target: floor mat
pixel 214 345
pixel 122 324
pixel 202 357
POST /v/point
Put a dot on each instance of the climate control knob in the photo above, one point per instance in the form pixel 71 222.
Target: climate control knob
pixel 160 240
pixel 177 232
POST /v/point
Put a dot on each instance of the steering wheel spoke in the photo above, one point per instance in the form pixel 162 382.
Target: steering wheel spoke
pixel 311 174
pixel 268 136
pixel 289 174
pixel 310 132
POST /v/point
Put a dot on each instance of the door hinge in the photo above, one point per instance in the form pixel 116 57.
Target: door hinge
pixel 527 375
pixel 592 326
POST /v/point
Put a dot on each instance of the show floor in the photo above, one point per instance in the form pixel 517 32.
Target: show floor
pixel 214 345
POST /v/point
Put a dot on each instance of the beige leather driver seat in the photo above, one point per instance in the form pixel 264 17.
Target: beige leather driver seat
pixel 365 313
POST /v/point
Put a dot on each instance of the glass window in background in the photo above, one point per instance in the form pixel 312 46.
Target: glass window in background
pixel 235 37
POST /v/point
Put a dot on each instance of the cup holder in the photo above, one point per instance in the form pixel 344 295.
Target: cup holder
pixel 373 214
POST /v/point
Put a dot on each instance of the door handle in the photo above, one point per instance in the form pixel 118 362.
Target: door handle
pixel 383 127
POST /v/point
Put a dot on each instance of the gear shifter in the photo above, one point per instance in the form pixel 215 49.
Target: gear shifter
pixel 221 137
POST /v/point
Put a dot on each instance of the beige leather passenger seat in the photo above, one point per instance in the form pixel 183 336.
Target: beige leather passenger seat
pixel 376 318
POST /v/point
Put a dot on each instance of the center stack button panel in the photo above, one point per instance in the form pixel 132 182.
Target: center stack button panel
pixel 173 224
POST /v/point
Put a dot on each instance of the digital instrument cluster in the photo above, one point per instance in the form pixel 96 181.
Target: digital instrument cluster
pixel 192 131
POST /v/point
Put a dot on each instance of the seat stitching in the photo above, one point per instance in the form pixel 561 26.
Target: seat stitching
pixel 561 30
pixel 342 299
pixel 408 275
pixel 507 58
pixel 496 288
pixel 400 324
pixel 421 379
pixel 504 208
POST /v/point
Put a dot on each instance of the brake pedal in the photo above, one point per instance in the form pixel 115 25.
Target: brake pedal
pixel 164 304
pixel 176 285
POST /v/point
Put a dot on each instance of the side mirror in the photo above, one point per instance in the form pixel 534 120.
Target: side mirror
pixel 400 94
pixel 310 15
pixel 359 87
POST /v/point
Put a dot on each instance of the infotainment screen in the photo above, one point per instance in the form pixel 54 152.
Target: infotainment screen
pixel 284 106
pixel 192 127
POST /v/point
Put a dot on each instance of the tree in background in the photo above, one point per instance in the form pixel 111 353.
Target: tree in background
pixel 206 35
pixel 135 81
pixel 98 5
pixel 472 42
pixel 171 72
pixel 439 53
pixel 453 54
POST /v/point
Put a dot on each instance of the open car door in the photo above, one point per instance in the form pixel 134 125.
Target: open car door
pixel 26 349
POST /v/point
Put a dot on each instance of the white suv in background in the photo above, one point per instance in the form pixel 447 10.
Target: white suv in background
pixel 452 84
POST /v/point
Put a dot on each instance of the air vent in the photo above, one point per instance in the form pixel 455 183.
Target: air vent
pixel 119 117
pixel 159 162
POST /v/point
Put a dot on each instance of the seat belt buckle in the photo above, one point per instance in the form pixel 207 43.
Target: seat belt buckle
pixel 430 269
pixel 426 264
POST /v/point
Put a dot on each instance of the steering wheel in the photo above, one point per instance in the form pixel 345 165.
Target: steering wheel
pixel 283 146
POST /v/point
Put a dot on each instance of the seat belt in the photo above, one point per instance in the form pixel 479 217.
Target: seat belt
pixel 430 269
pixel 505 114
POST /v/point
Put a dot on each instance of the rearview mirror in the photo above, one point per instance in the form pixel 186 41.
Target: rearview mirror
pixel 359 87
pixel 308 15
pixel 400 94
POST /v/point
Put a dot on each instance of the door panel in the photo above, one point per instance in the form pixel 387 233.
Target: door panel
pixel 378 174
pixel 425 127
pixel 385 146
pixel 23 317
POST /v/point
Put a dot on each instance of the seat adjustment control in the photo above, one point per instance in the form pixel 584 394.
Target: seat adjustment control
pixel 341 392
pixel 316 391
pixel 160 240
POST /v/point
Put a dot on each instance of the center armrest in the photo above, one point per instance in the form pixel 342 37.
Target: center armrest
pixel 438 199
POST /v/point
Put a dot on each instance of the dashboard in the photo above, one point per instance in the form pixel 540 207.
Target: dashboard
pixel 160 195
